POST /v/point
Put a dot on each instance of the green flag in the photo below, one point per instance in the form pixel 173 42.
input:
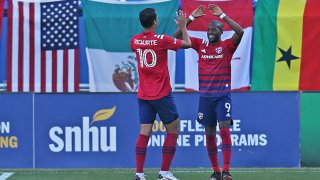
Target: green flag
pixel 286 45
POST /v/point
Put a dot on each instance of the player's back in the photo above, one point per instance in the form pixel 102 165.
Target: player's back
pixel 151 52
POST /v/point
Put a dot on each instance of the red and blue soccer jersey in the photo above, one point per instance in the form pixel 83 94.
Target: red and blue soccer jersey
pixel 214 66
pixel 152 56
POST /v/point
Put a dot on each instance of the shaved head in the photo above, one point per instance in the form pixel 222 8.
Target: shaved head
pixel 217 24
pixel 215 29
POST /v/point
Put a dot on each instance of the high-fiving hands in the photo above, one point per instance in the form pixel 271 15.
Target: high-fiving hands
pixel 200 11
pixel 181 19
pixel 215 10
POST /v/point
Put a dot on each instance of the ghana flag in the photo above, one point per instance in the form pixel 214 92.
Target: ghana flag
pixel 286 45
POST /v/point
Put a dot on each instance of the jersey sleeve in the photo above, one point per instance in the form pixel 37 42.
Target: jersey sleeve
pixel 171 43
pixel 230 45
pixel 131 44
pixel 195 42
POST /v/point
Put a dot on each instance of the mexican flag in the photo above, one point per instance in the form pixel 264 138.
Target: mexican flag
pixel 241 11
pixel 286 45
pixel 109 27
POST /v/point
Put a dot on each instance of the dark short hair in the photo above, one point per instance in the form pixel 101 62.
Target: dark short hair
pixel 147 16
pixel 217 24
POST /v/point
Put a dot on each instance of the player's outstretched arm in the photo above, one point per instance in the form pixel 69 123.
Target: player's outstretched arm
pixel 198 12
pixel 236 38
pixel 181 22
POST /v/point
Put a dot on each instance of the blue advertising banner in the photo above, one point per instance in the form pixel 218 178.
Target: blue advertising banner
pixel 16 131
pixel 85 130
pixel 268 130
pixel 100 130
pixel 265 132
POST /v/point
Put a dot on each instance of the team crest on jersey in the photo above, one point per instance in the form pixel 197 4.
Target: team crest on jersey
pixel 125 76
pixel 200 115
pixel 219 50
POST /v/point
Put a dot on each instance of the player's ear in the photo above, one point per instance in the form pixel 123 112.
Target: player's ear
pixel 155 22
pixel 221 30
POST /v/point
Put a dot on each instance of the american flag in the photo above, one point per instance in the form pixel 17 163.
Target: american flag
pixel 43 46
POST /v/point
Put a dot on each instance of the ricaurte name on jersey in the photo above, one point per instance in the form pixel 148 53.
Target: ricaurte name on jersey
pixel 146 42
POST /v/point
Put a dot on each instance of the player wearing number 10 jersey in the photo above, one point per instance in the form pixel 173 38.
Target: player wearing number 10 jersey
pixel 154 91
pixel 151 51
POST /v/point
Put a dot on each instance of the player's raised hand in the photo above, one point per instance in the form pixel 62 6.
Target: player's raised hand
pixel 215 10
pixel 181 19
pixel 200 11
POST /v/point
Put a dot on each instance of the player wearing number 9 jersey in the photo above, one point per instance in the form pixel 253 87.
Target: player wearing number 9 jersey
pixel 215 84
pixel 154 91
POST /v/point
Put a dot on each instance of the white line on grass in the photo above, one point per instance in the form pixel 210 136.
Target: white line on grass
pixel 5 175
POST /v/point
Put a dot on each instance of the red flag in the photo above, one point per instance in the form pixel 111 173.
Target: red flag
pixel 43 46
pixel 1 14
pixel 241 11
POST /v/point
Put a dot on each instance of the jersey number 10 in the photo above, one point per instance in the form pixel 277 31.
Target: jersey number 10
pixel 143 57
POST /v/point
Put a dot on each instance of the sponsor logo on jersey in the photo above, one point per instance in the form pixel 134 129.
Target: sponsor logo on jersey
pixel 219 50
pixel 212 56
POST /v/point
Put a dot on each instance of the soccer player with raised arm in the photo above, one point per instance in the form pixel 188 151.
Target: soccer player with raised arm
pixel 215 85
pixel 154 91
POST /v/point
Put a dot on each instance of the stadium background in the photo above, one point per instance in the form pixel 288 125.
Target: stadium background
pixel 84 75
pixel 275 129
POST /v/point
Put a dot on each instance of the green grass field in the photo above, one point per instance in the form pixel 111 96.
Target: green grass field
pixel 181 173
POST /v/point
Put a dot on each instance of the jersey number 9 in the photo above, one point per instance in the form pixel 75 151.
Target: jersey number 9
pixel 227 106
